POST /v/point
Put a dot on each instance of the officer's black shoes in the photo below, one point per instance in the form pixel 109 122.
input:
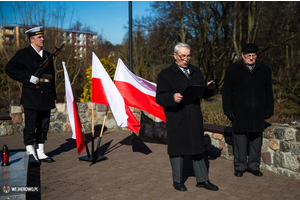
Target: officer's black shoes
pixel 256 173
pixel 179 186
pixel 208 185
pixel 238 173
pixel 47 160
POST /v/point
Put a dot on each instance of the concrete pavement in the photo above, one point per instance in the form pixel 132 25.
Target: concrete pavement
pixel 138 168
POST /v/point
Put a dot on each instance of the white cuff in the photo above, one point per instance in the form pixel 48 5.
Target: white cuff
pixel 35 80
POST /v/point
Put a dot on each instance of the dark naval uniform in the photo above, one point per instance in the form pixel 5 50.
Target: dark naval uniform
pixel 38 93
pixel 37 102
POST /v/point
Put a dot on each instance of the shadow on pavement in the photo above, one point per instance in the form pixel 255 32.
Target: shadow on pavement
pixel 137 145
pixel 71 143
pixel 133 140
pixel 34 180
pixel 65 147
pixel 104 148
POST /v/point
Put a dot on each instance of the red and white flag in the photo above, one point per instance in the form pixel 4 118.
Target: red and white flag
pixel 73 114
pixel 137 92
pixel 105 92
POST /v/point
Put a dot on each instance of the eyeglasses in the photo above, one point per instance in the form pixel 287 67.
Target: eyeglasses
pixel 249 56
pixel 182 57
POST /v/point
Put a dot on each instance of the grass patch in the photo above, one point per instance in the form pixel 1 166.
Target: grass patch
pixel 284 113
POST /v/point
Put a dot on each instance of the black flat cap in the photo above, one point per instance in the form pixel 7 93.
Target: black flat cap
pixel 250 48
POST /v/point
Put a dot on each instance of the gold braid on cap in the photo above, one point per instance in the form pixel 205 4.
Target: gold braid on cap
pixel 39 32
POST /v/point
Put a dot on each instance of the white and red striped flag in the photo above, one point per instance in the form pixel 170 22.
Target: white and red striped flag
pixel 73 114
pixel 137 92
pixel 105 92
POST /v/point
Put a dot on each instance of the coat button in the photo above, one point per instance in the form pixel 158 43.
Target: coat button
pixel 41 91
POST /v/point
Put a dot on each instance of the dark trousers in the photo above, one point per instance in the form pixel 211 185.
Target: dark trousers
pixel 247 144
pixel 199 166
pixel 36 126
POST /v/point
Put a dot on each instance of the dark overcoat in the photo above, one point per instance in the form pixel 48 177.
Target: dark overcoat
pixel 184 122
pixel 248 95
pixel 20 68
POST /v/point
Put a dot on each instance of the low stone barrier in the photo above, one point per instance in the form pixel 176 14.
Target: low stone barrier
pixel 280 149
pixel 59 120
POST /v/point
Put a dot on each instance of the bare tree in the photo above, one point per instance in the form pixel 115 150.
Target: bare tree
pixel 29 14
pixel 77 26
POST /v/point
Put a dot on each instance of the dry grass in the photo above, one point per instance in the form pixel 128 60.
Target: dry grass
pixel 216 117
pixel 213 113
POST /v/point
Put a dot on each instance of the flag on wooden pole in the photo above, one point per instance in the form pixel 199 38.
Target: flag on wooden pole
pixel 105 92
pixel 137 92
pixel 73 114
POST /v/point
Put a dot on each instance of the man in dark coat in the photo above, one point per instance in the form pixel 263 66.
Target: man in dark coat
pixel 247 101
pixel 38 94
pixel 184 121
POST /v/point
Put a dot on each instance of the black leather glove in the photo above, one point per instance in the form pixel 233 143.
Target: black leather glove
pixel 230 116
pixel 267 116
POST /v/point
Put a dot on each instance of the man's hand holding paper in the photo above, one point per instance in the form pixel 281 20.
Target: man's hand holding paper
pixel 211 85
pixel 177 97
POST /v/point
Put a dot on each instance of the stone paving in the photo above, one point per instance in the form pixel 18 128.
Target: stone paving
pixel 138 168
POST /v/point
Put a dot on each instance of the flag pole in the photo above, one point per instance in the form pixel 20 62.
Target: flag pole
pixel 96 157
pixel 100 136
pixel 87 148
pixel 88 157
pixel 93 128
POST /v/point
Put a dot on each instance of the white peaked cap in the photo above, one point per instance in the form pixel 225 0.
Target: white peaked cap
pixel 35 31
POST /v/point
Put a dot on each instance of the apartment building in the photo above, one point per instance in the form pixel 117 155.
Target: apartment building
pixel 83 42
pixel 12 36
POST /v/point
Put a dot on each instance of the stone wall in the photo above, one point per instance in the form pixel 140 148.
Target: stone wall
pixel 280 149
pixel 59 120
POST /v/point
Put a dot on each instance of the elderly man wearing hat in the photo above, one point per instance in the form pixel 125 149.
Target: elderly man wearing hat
pixel 247 101
pixel 37 101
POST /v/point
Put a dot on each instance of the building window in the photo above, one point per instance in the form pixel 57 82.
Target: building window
pixel 80 35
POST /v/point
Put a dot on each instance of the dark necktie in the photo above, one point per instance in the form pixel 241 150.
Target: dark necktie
pixel 251 68
pixel 185 70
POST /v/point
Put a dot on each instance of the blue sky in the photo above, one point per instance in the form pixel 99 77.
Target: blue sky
pixel 108 18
